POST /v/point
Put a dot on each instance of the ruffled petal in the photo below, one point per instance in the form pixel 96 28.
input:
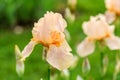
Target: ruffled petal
pixel 47 25
pixel 113 42
pixel 86 48
pixel 59 57
pixel 97 27
pixel 37 30
pixel 28 49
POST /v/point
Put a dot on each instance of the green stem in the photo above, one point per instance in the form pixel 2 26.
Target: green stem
pixel 85 77
pixel 101 59
pixel 20 78
pixel 70 77
pixel 49 73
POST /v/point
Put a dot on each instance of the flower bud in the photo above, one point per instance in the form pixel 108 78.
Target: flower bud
pixel 72 4
pixel 85 66
pixel 41 78
pixel 79 77
pixel 75 62
pixel 65 73
pixel 69 16
pixel 105 64
pixel 20 68
pixel 54 77
pixel 19 63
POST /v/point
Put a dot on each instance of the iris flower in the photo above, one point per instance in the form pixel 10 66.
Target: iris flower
pixel 97 29
pixel 113 9
pixel 113 6
pixel 49 31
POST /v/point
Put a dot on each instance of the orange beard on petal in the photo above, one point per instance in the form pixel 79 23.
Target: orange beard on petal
pixel 112 9
pixel 100 38
pixel 41 42
pixel 55 37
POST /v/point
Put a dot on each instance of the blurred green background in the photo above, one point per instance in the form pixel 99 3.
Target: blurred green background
pixel 24 13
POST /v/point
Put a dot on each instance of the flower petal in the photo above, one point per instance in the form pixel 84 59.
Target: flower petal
pixel 113 42
pixel 59 57
pixel 28 49
pixel 85 48
pixel 110 17
pixel 66 46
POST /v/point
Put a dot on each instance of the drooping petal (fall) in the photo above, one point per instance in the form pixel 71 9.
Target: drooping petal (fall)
pixel 110 17
pixel 66 46
pixel 113 42
pixel 28 49
pixel 60 57
pixel 86 48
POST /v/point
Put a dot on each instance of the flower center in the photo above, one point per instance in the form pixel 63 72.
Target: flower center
pixel 56 39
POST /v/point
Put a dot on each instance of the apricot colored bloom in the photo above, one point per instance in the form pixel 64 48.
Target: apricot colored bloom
pixel 113 6
pixel 97 29
pixel 49 31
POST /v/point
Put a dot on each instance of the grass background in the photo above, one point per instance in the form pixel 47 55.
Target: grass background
pixel 35 67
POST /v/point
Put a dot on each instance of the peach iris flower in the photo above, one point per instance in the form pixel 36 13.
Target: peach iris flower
pixel 113 6
pixel 97 29
pixel 49 31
